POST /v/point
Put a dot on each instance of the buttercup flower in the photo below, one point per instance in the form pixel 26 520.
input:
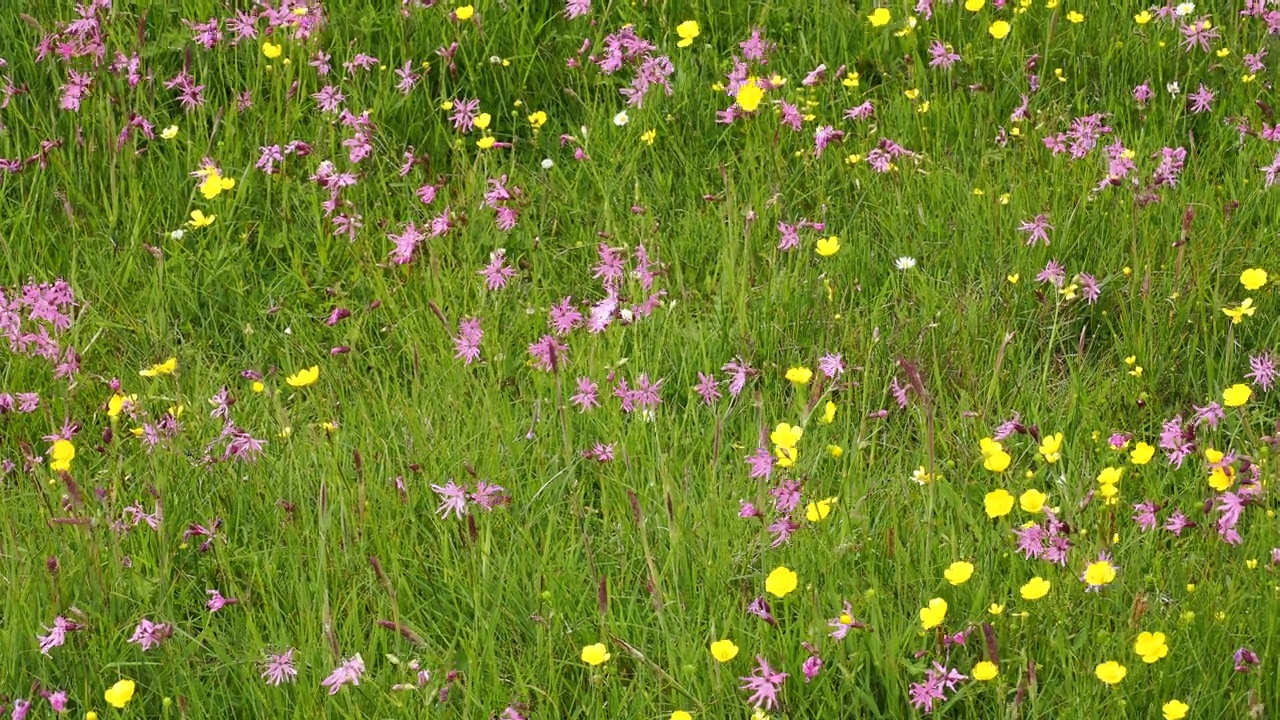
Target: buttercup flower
pixel 595 654
pixel 984 671
pixel 1110 672
pixel 687 30
pixel 780 582
pixel 1253 279
pixel 1174 710
pixel 119 695
pixel 958 573
pixel 1236 395
pixel 933 615
pixel 999 29
pixel 305 377
pixel 880 17
pixel 998 503
pixel 1036 588
pixel 724 650
pixel 1151 646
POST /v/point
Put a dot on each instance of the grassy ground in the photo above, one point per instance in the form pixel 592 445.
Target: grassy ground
pixel 331 539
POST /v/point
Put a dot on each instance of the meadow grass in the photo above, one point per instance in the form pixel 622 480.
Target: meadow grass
pixel 625 527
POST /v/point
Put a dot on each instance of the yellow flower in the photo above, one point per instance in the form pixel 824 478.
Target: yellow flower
pixel 828 413
pixel 1032 501
pixel 1099 573
pixel 1141 454
pixel 61 454
pixel 1236 395
pixel 464 13
pixel 799 375
pixel 998 503
pixel 1223 52
pixel 999 29
pixel 835 450
pixel 1051 448
pixel 687 30
pixel 749 95
pixel 258 386
pixel 681 715
pixel 118 402
pixel 974 5
pixel 923 477
pixel 170 132
pixel 214 184
pixel 649 136
pixel 1036 588
pixel 1253 278
pixel 984 671
pixel 593 654
pixel 785 435
pixel 997 461
pixel 1142 18
pixel 1110 672
pixel 271 51
pixel 1110 475
pixel 880 17
pixel 1237 313
pixel 1174 710
pixel 482 120
pixel 303 378
pixel 91 715
pixel 165 368
pixel 850 80
pixel 1075 17
pixel 818 511
pixel 120 694
pixel 724 650
pixel 958 573
pixel 199 220
pixel 1221 480
pixel 1013 279
pixel 995 608
pixel 1150 646
pixel 933 615
pixel 828 246
pixel 912 94
pixel 485 142
pixel 780 582
pixel 538 119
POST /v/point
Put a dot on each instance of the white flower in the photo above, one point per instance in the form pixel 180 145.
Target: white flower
pixel 177 234
pixel 1184 9
pixel 547 164
pixel 904 263
pixel 621 118
pixel 1173 88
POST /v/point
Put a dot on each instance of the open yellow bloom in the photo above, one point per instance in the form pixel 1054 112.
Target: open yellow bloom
pixel 199 220
pixel 724 650
pixel 1075 17
pixel 749 95
pixel 486 142
pixel 799 375
pixel 165 368
pixel 818 511
pixel 271 51
pixel 1099 573
pixel 933 615
pixel 595 654
pixel 1253 278
pixel 781 581
pixel 1238 313
pixel 1032 501
pixel 974 5
pixel 999 29
pixel 1174 710
pixel 998 503
pixel 959 572
pixel 786 435
pixel 1110 672
pixel 465 12
pixel 880 17
pixel 1142 454
pixel 1236 395
pixel 1142 18
pixel 1051 448
pixel 985 670
pixel 120 694
pixel 61 454
pixel 680 715
pixel 687 30
pixel 1036 588
pixel 828 246
pixel 303 378
pixel 828 413
pixel 1150 646
pixel 1110 475
pixel 538 119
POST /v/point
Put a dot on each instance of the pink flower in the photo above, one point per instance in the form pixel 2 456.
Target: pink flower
pixel 348 673
pixel 217 601
pixel 150 635
pixel 279 668
pixel 763 683
pixel 548 353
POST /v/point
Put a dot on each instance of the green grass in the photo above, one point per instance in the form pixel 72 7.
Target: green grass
pixel 646 553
